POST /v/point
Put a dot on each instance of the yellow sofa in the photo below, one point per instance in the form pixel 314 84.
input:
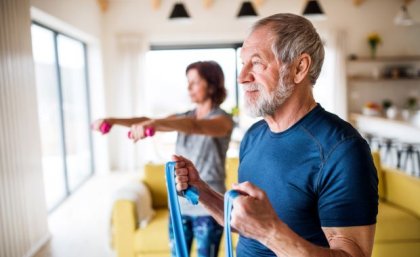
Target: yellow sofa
pixel 397 231
pixel 153 240
pixel 398 223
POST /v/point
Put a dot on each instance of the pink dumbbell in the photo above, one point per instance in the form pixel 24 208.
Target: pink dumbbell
pixel 105 127
pixel 148 132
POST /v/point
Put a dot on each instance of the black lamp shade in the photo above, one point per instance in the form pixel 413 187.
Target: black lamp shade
pixel 179 11
pixel 313 8
pixel 247 10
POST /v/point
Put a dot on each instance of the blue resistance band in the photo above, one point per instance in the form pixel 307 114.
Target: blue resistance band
pixel 229 196
pixel 191 194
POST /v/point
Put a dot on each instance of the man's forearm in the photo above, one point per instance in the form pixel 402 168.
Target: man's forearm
pixel 284 242
pixel 212 201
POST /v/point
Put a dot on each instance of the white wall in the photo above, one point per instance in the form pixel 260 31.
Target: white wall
pixel 81 19
pixel 218 24
pixel 23 212
pixel 84 15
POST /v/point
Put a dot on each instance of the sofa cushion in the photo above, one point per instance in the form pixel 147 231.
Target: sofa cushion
pixel 154 178
pixel 402 190
pixel 396 224
pixel 155 236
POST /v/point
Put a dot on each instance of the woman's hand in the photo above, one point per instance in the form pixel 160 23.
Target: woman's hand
pixel 253 215
pixel 186 173
pixel 102 125
pixel 97 124
pixel 138 130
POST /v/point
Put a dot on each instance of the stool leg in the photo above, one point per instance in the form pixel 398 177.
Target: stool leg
pixel 405 162
pixel 399 153
pixel 413 166
pixel 418 163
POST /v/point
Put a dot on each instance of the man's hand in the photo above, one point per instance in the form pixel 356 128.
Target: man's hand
pixel 186 173
pixel 253 215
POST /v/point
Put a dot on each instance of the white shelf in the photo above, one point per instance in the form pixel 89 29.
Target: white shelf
pixel 386 59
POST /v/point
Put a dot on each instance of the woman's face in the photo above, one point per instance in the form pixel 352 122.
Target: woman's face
pixel 197 87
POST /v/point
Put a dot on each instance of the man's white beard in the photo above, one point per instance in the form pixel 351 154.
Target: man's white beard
pixel 267 103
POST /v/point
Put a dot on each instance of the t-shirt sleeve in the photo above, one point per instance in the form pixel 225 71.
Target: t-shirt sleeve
pixel 348 186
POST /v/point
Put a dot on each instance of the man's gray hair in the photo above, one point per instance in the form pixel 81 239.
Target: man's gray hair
pixel 293 36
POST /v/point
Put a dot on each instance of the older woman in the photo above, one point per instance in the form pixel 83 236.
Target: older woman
pixel 203 136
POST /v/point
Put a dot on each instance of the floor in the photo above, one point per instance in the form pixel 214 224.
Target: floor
pixel 80 226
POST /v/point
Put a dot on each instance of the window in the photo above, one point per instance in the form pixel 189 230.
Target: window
pixel 166 73
pixel 63 110
pixel 165 69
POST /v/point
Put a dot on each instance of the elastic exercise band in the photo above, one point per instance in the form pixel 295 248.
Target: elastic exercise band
pixel 229 196
pixel 175 212
pixel 192 196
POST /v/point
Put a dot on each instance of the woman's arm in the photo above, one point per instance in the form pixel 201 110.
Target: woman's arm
pixel 126 122
pixel 218 126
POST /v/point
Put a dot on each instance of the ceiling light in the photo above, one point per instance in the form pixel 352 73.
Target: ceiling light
pixel 403 18
pixel 179 12
pixel 247 10
pixel 313 10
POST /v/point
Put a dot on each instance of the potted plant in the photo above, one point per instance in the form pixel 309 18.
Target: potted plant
pixel 390 110
pixel 374 40
pixel 371 109
pixel 410 108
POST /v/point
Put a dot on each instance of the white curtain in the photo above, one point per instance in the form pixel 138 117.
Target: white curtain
pixel 331 89
pixel 126 94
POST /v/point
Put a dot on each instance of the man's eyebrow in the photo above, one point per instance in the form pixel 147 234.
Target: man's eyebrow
pixel 252 56
pixel 256 55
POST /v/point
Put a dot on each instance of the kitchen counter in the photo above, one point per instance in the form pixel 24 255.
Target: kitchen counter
pixel 389 128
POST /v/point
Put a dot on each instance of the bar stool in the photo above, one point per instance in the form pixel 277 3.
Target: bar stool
pixel 372 140
pixel 410 153
pixel 389 150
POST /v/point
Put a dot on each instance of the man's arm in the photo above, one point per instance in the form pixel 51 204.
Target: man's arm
pixel 254 217
pixel 344 242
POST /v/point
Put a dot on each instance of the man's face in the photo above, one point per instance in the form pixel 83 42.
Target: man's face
pixel 266 82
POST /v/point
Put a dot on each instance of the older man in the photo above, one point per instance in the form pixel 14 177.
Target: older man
pixel 308 183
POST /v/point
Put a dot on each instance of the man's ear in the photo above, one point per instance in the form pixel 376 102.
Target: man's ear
pixel 303 63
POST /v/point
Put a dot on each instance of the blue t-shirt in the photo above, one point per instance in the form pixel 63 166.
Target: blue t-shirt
pixel 318 173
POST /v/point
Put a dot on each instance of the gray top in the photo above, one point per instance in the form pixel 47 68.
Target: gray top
pixel 208 155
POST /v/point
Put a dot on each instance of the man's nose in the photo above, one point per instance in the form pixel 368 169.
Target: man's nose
pixel 245 76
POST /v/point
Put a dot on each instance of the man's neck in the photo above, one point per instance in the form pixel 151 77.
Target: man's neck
pixel 291 111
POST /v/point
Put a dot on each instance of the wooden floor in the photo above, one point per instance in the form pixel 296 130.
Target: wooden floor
pixel 80 226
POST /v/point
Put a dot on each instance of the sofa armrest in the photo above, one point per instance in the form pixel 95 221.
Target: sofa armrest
pixel 124 223
pixel 402 190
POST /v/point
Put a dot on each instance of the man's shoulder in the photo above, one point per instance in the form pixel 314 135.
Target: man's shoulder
pixel 329 130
